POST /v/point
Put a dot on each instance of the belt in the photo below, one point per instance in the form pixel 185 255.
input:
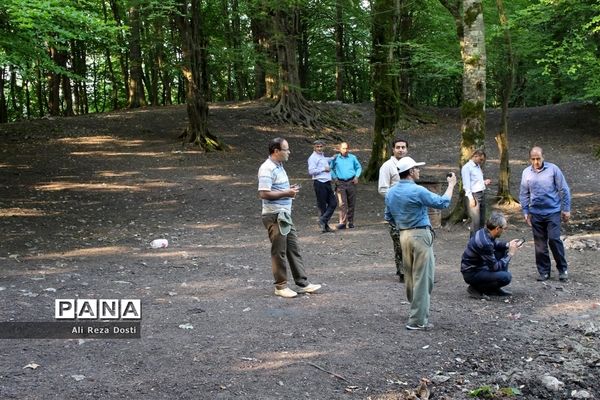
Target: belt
pixel 346 180
pixel 415 227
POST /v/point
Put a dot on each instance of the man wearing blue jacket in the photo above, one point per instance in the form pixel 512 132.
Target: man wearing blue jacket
pixel 345 171
pixel 545 199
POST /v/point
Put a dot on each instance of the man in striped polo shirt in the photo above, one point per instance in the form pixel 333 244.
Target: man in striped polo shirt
pixel 276 193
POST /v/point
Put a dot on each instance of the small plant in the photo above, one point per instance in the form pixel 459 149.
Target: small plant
pixel 483 392
pixel 489 392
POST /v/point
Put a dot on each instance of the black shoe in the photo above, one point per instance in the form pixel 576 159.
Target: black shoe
pixel 350 226
pixel 401 278
pixel 328 228
pixel 476 294
pixel 500 293
pixel 543 277
pixel 341 226
pixel 323 226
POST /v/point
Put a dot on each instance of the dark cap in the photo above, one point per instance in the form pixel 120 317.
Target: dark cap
pixel 319 141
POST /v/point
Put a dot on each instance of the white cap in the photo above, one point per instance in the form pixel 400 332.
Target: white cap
pixel 407 163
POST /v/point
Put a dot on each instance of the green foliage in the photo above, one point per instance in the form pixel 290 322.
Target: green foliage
pixel 489 392
pixel 558 47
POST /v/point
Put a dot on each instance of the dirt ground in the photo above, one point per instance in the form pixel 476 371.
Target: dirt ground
pixel 82 198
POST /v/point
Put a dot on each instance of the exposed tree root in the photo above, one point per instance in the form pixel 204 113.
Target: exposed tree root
pixel 293 108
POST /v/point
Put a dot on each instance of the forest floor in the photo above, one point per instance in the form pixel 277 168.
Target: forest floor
pixel 81 199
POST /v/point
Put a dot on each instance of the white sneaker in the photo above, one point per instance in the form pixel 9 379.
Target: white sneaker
pixel 310 288
pixel 286 292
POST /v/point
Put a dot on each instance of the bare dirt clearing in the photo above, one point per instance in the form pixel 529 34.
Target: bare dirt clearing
pixel 82 198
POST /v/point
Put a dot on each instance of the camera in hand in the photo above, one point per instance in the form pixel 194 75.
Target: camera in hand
pixel 449 175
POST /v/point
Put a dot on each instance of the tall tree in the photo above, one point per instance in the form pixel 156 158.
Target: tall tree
pixel 136 96
pixel 340 69
pixel 190 23
pixel 386 84
pixel 507 83
pixel 291 106
pixel 474 83
pixel 468 18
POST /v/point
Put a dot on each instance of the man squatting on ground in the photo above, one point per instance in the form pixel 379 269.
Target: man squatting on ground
pixel 345 171
pixel 388 177
pixel 484 264
pixel 474 187
pixel 277 195
pixel 406 207
pixel 545 197
pixel 318 169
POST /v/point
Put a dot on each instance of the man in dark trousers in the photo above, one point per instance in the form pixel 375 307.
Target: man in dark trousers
pixel 484 263
pixel 318 169
pixel 546 199
pixel 345 171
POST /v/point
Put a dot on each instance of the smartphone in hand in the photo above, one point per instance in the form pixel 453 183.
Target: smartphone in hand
pixel 520 242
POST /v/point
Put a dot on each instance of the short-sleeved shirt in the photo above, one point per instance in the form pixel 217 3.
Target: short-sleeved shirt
pixel 272 177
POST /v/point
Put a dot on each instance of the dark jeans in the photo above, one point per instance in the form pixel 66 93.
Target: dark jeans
pixel 486 281
pixel 326 200
pixel 546 232
pixel 477 213
pixel 284 249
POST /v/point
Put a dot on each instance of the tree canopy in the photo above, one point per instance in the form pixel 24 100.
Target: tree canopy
pixel 70 57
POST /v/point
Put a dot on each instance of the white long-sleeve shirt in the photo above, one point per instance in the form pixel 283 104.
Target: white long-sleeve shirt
pixel 388 175
pixel 472 178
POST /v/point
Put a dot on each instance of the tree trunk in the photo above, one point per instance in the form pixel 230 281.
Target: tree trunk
pixel 3 105
pixel 79 56
pixel 53 88
pixel 291 106
pixel 241 76
pixel 504 196
pixel 123 58
pixel 261 47
pixel 16 111
pixel 474 85
pixel 303 53
pixel 39 90
pixel 194 70
pixel 136 96
pixel 340 71
pixel 386 85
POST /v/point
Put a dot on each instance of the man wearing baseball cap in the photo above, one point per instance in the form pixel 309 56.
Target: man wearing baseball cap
pixel 406 207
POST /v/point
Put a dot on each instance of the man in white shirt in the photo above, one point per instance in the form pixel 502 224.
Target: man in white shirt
pixel 474 186
pixel 388 177
pixel 318 169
